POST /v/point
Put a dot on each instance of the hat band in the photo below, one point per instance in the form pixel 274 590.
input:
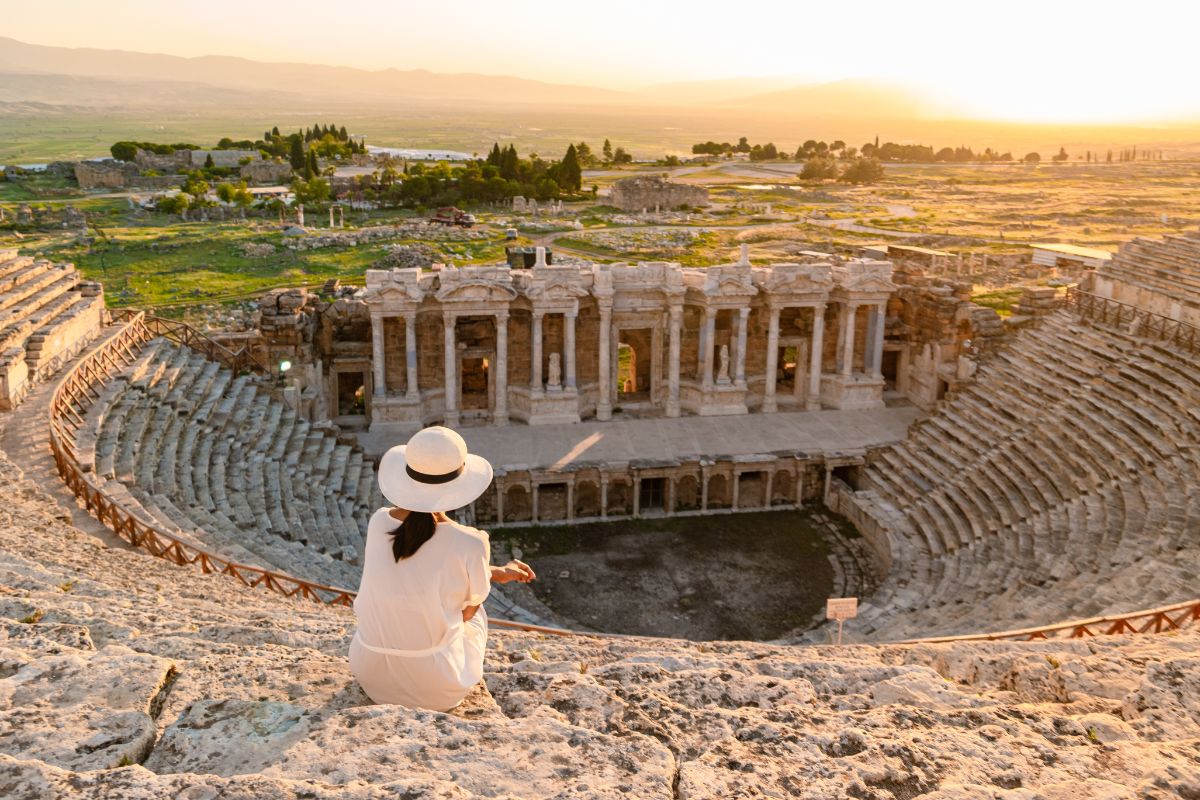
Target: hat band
pixel 425 477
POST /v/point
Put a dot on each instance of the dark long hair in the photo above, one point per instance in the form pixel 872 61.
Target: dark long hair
pixel 416 530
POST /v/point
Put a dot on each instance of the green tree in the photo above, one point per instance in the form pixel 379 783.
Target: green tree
pixel 570 176
pixel 235 193
pixel 195 185
pixel 1061 155
pixel 863 170
pixel 621 157
pixel 297 152
pixel 314 192
pixel 275 132
pixel 124 151
pixel 607 152
pixel 1032 158
pixel 817 168
pixel 743 146
pixel 208 161
pixel 312 166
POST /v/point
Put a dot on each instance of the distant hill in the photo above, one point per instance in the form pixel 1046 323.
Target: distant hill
pixel 848 99
pixel 298 81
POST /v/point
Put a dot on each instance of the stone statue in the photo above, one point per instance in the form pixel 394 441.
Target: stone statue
pixel 554 373
pixel 723 364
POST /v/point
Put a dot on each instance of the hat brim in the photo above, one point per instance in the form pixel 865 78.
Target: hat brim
pixel 402 491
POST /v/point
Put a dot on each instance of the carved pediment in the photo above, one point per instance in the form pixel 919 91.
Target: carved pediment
pixel 799 279
pixel 556 290
pixel 394 292
pixel 476 292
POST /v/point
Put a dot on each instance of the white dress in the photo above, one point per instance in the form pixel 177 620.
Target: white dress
pixel 412 646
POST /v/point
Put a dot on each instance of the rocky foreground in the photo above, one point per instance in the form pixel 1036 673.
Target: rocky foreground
pixel 122 676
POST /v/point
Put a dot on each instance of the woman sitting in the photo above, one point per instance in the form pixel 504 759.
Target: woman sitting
pixel 422 631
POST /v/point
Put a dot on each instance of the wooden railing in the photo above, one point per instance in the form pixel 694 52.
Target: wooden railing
pixel 1139 321
pixel 80 386
pixel 1154 620
pixel 184 334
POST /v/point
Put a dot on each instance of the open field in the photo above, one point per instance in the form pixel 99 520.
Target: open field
pixel 148 259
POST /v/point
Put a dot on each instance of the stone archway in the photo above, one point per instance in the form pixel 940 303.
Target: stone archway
pixel 587 499
pixel 620 498
pixel 782 489
pixel 517 505
pixel 718 492
pixel 687 493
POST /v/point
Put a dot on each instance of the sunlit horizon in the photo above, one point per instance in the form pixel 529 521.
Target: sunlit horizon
pixel 1068 62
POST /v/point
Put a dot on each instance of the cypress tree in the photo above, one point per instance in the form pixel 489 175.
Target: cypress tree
pixel 297 154
pixel 570 176
pixel 313 165
pixel 275 131
pixel 345 137
pixel 208 162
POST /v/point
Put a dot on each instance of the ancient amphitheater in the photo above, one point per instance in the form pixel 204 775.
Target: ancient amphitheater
pixel 181 533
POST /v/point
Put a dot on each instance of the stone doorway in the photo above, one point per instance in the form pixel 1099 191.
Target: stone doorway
pixel 351 394
pixel 634 366
pixel 652 495
pixel 475 395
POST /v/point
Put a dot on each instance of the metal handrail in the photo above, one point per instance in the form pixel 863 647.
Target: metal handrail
pixel 79 388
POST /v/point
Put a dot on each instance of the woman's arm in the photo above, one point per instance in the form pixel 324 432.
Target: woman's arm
pixel 469 612
pixel 513 571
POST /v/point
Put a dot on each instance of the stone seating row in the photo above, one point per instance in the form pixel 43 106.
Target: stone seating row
pixel 1063 482
pixel 216 459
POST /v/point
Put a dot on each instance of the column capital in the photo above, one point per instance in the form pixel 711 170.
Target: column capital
pixel 710 312
pixel 744 312
pixel 502 316
pixel 538 313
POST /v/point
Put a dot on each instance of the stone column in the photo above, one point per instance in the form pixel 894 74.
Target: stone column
pixel 377 353
pixel 815 361
pixel 410 355
pixel 535 366
pixel 875 366
pixel 710 336
pixel 704 476
pixel 670 509
pixel 743 319
pixel 499 502
pixel 737 482
pixel 571 500
pixel 500 411
pixel 450 357
pixel 637 495
pixel 769 405
pixel 603 495
pixel 533 502
pixel 569 347
pixel 604 403
pixel 673 362
pixel 848 343
pixel 770 487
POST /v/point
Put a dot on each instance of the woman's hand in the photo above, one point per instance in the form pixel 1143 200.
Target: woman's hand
pixel 513 571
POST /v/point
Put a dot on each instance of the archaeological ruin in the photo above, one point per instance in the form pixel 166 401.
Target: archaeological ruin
pixel 1034 477
pixel 652 193
pixel 47 315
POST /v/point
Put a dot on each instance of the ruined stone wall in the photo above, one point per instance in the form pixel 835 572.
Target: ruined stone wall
pixel 104 174
pixel 266 172
pixel 636 194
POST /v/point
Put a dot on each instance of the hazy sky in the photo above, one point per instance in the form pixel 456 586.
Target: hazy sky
pixel 1049 60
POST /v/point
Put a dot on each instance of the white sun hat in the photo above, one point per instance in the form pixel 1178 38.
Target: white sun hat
pixel 433 472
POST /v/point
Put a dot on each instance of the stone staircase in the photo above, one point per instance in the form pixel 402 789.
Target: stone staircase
pixel 1064 483
pixel 47 315
pixel 124 676
pixel 219 462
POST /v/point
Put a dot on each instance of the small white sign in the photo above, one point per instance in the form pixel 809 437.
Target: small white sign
pixel 841 608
